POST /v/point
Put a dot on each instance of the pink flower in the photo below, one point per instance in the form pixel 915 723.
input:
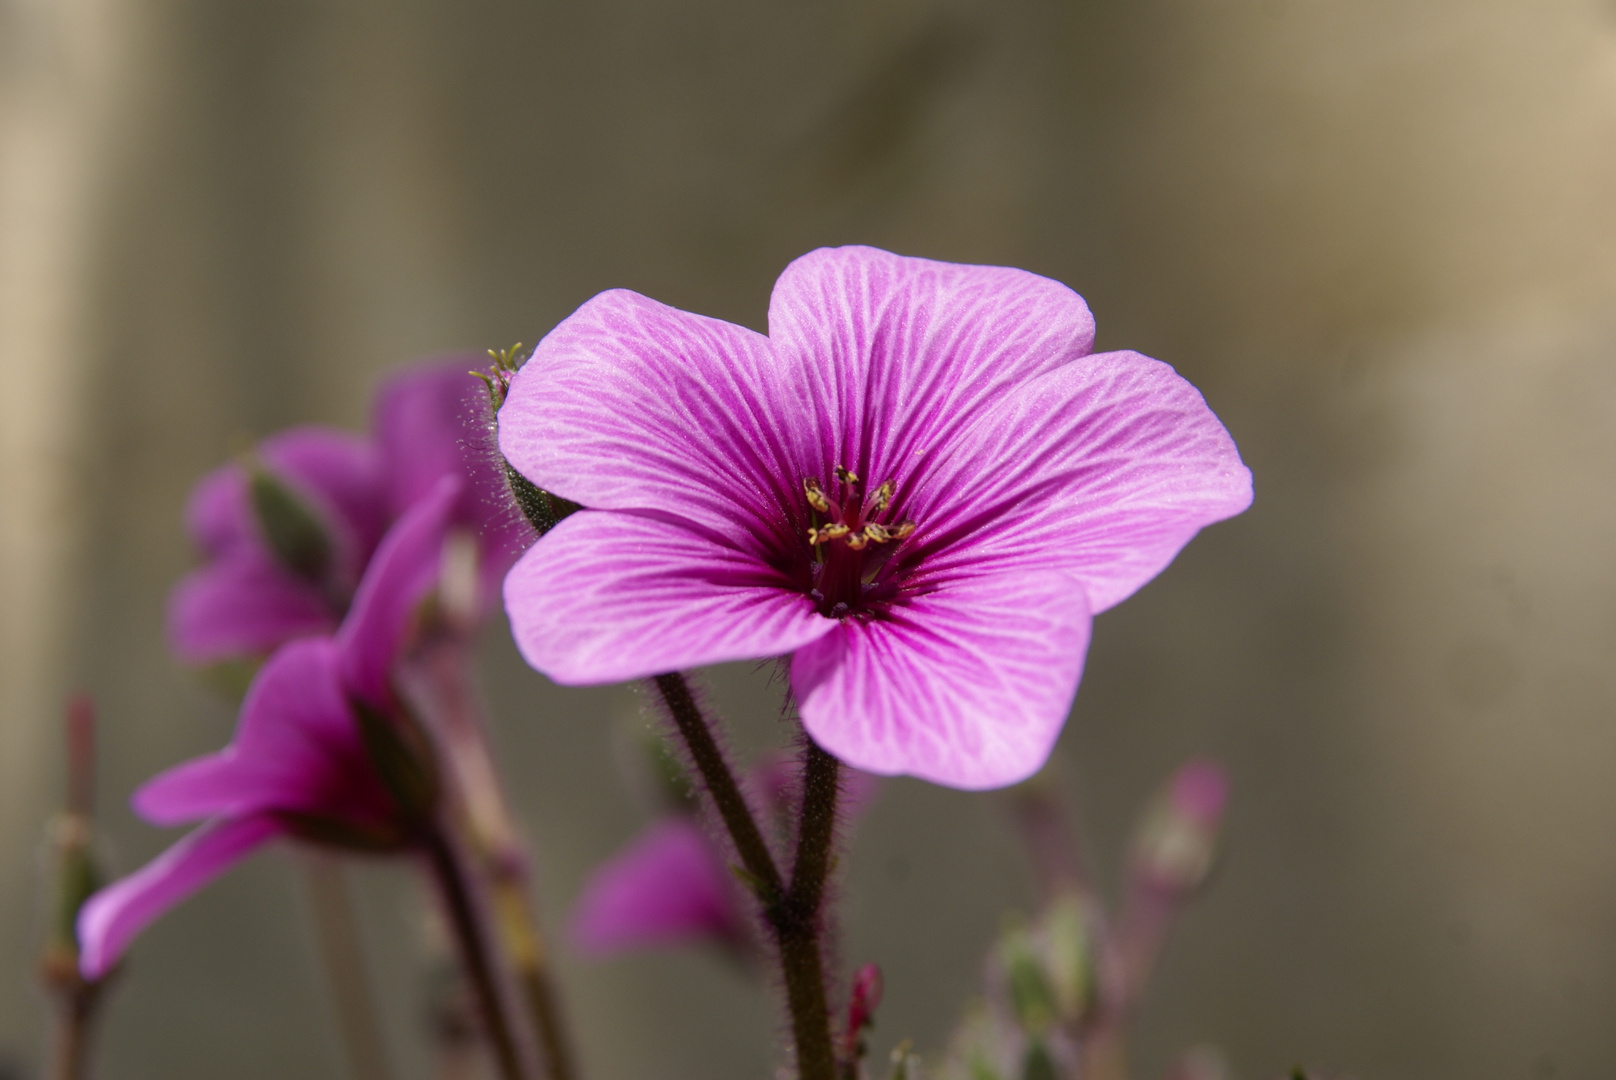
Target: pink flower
pixel 669 886
pixel 329 496
pixel 302 762
pixel 922 484
pixel 672 884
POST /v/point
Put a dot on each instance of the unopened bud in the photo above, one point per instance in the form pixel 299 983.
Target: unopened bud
pixel 1031 998
pixel 290 527
pixel 861 1006
pixel 1064 938
pixel 1177 840
pixel 402 756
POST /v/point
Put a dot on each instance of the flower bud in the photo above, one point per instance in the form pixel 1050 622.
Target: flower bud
pixel 861 1006
pixel 1031 998
pixel 1177 840
pixel 402 756
pixel 290 527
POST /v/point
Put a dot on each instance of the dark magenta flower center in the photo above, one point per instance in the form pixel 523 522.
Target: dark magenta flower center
pixel 851 539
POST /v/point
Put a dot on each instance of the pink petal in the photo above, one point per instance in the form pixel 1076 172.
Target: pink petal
pixel 297 748
pixel 242 605
pixel 434 421
pixel 900 353
pixel 404 570
pixel 668 886
pixel 629 404
pixel 610 596
pixel 1105 467
pixel 967 685
pixel 112 917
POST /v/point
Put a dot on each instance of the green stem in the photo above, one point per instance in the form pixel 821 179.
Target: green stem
pixel 792 914
pixel 796 926
pixel 472 940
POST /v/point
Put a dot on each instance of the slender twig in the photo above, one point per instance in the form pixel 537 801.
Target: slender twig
pixel 331 903
pixel 792 913
pixel 501 858
pixel 473 944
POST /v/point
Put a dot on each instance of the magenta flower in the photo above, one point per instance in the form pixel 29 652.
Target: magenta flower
pixel 300 763
pixel 286 536
pixel 672 884
pixel 922 484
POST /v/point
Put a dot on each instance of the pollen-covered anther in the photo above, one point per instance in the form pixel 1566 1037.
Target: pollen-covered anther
pixel 816 495
pixel 903 532
pixel 858 540
pixel 828 532
pixel 876 534
pixel 881 498
pixel 846 476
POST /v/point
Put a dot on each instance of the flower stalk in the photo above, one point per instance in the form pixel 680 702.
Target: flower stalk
pixel 472 942
pixel 792 911
pixel 439 677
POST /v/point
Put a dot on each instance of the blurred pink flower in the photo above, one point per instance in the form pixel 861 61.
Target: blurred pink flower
pixel 672 884
pixel 300 763
pixel 334 494
pixel 922 483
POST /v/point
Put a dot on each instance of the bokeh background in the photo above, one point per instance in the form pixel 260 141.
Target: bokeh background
pixel 1379 235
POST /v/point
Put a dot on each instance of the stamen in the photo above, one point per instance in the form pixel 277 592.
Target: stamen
pixel 829 532
pixel 882 496
pixel 856 541
pixel 876 533
pixel 816 495
pixel 904 531
pixel 846 476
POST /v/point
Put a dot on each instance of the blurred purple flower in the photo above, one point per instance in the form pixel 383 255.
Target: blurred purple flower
pixel 922 483
pixel 328 496
pixel 672 885
pixel 301 763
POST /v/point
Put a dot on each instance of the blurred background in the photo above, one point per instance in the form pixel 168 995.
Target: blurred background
pixel 1379 235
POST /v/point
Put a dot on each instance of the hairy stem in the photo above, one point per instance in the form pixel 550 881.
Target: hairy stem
pixel 444 689
pixel 721 786
pixel 796 925
pixel 471 938
pixel 792 913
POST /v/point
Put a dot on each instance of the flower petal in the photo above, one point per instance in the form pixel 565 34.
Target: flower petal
pixel 899 353
pixel 112 917
pixel 610 596
pixel 405 568
pixel 297 748
pixel 434 421
pixel 243 605
pixel 668 886
pixel 630 404
pixel 967 685
pixel 1106 468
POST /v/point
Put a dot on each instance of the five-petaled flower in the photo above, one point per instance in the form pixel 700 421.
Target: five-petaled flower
pixel 323 752
pixel 922 484
pixel 286 534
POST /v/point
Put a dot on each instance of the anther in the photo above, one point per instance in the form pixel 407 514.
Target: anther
pixel 882 496
pixel 856 541
pixel 904 531
pixel 846 476
pixel 816 495
pixel 876 533
pixel 829 532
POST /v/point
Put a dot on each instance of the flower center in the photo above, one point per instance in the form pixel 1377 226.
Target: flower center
pixel 851 540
